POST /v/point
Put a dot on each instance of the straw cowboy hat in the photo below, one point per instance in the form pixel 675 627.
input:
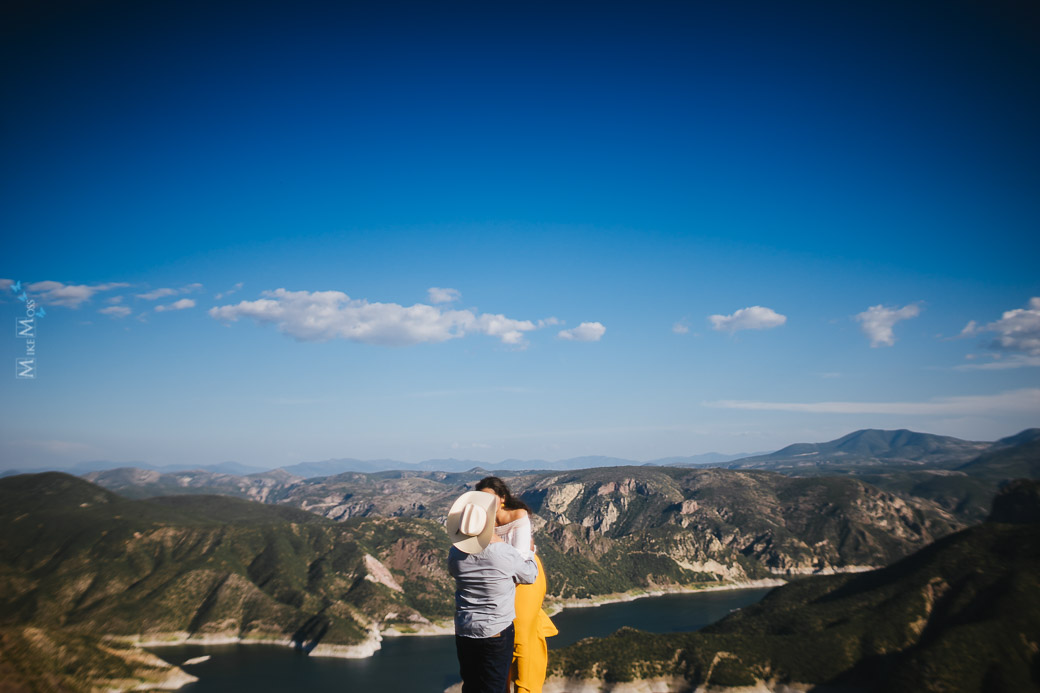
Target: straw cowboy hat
pixel 471 521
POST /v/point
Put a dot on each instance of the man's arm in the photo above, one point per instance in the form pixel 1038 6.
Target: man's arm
pixel 526 570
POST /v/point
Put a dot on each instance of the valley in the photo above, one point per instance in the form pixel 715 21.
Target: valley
pixel 92 569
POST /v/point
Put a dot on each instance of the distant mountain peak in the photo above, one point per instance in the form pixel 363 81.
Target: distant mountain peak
pixel 872 446
pixel 1026 436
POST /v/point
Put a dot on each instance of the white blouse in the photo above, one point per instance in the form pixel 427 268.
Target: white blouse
pixel 517 534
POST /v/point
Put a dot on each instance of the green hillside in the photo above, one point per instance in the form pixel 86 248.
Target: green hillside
pixel 46 660
pixel 960 615
pixel 1020 460
pixel 78 562
pixel 968 489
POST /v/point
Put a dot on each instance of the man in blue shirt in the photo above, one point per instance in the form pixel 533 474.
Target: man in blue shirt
pixel 486 570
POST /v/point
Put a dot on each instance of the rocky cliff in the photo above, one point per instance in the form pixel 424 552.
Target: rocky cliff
pixel 962 614
pixel 628 527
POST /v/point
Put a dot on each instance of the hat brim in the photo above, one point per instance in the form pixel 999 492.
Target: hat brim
pixel 464 542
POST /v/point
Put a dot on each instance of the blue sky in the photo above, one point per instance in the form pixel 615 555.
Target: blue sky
pixel 273 234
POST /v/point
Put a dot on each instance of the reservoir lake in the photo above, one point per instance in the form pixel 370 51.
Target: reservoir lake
pixel 427 664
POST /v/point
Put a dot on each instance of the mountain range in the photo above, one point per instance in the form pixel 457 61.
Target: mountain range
pixel 331 467
pixel 706 523
pixel 80 565
pixel 873 447
pixel 962 614
pixel 851 453
pixel 960 476
pixel 615 529
pixel 334 561
pixel 81 468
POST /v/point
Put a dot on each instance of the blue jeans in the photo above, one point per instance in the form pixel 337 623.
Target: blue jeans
pixel 484 662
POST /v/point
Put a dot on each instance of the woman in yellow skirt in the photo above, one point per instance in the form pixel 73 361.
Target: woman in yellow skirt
pixel 532 625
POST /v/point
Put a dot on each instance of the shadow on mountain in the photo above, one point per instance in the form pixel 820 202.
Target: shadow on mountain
pixel 309 635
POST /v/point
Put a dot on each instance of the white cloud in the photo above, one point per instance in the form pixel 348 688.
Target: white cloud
pixel 1001 364
pixel 164 292
pixel 116 311
pixel 877 322
pixel 176 305
pixel 438 295
pixel 233 289
pixel 750 318
pixel 6 284
pixel 1015 401
pixel 157 294
pixel 68 295
pixel 508 330
pixel 1018 330
pixel 680 328
pixel 1017 341
pixel 318 316
pixel 585 332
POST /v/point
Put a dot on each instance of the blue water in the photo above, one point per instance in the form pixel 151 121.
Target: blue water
pixel 428 664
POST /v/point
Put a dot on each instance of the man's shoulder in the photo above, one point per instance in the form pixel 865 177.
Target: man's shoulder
pixel 495 549
pixel 500 549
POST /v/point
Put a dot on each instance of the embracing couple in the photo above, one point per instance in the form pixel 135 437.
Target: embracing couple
pixel 500 628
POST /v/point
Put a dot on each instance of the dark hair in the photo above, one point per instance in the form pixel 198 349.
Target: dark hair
pixel 509 501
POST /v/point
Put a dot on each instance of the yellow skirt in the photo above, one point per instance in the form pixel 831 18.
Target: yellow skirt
pixel 532 626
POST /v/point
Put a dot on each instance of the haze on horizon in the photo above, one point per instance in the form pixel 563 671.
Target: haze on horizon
pixel 278 234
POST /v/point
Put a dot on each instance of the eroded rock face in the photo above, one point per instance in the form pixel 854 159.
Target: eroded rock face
pixel 559 499
pixel 727 525
pixel 378 573
pixel 652 525
pixel 603 518
pixel 351 495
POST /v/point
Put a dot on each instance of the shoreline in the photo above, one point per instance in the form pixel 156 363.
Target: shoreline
pixel 361 650
pixel 373 642
pixel 180 639
pixel 425 630
pixel 779 580
pixel 555 607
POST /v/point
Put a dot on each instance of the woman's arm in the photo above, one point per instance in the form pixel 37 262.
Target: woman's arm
pixel 521 538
